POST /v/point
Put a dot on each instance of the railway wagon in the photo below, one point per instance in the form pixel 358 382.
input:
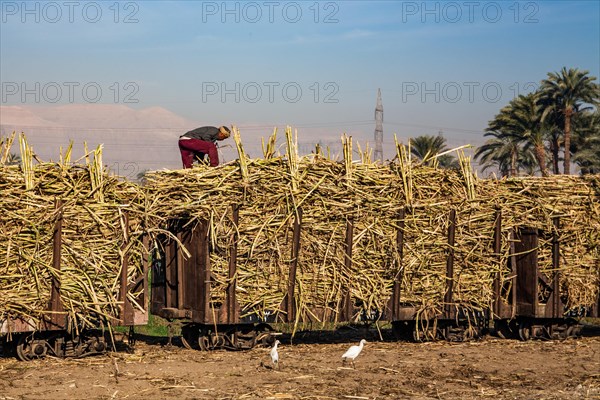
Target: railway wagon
pixel 533 303
pixel 310 239
pixel 73 256
pixel 58 331
pixel 526 303
pixel 183 288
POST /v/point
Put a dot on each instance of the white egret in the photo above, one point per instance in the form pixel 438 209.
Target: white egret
pixel 353 352
pixel 275 355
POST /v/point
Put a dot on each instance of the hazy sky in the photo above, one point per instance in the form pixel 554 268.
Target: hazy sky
pixel 441 66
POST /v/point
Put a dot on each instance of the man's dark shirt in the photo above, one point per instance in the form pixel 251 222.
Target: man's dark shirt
pixel 206 133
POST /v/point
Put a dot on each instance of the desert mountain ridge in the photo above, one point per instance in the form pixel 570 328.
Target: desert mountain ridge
pixel 96 116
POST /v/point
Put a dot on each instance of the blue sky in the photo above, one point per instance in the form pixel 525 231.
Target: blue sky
pixel 441 66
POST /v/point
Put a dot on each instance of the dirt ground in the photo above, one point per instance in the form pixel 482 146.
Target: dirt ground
pixel 312 369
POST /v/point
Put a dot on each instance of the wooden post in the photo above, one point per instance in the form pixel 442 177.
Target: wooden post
pixel 498 256
pixel 394 306
pixel 168 262
pixel 126 308
pixel 203 268
pixel 513 272
pixel 179 282
pixel 232 316
pixel 57 317
pixel 145 267
pixel 450 265
pixel 527 272
pixel 158 290
pixel 347 310
pixel 291 302
pixel 555 298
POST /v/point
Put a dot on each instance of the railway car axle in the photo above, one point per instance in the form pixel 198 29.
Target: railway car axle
pixel 29 346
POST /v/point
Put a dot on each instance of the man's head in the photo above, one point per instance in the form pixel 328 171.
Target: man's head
pixel 224 133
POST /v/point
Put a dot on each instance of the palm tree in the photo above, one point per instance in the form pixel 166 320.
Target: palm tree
pixel 499 151
pixel 517 128
pixel 566 92
pixel 554 123
pixel 427 147
pixel 586 142
pixel 506 153
pixel 522 118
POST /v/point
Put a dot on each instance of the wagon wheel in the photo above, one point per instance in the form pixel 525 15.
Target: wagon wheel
pixel 502 329
pixel 524 330
pixel 246 341
pixel 185 342
pixel 416 336
pixel 28 349
pixel 443 333
pixel 470 333
pixel 573 331
pixel 545 332
pixel 263 335
pixel 426 334
pixel 204 343
pixel 23 347
pixel 573 328
pixel 211 341
pixel 95 345
pixel 217 340
pixel 190 337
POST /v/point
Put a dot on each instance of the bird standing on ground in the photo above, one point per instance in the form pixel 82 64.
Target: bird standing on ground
pixel 353 352
pixel 275 355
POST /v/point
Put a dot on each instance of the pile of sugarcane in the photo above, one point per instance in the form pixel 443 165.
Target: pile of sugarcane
pixel 575 201
pixel 94 237
pixel 377 200
pixel 272 191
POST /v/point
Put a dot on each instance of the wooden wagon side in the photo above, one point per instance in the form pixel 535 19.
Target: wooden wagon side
pixel 53 333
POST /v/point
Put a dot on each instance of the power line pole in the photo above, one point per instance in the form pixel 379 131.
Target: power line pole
pixel 379 128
